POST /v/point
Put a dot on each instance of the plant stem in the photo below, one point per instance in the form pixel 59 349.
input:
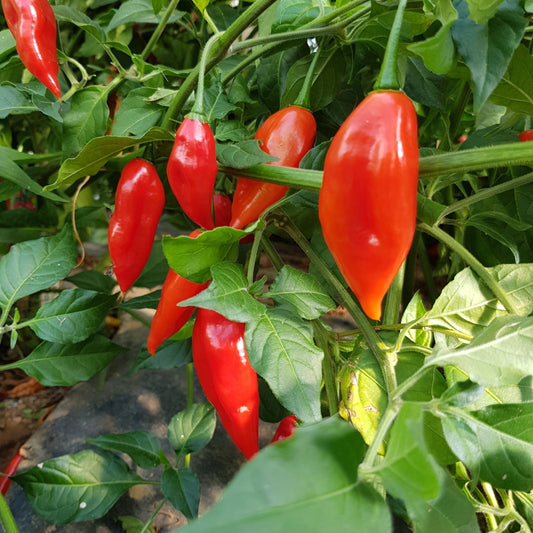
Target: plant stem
pixel 152 516
pixel 328 366
pixel 159 29
pixel 6 517
pixel 474 263
pixel 383 354
pixel 304 96
pixel 222 46
pixel 253 255
pixel 388 74
pixel 197 110
pixel 394 298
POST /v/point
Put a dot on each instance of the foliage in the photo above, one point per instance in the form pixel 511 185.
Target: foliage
pixel 423 419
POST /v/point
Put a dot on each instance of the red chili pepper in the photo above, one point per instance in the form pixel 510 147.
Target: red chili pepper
pixel 139 202
pixel 192 170
pixel 169 318
pixel 526 135
pixel 285 429
pixel 222 209
pixel 287 134
pixel 33 25
pixel 367 203
pixel 228 380
pixel 11 470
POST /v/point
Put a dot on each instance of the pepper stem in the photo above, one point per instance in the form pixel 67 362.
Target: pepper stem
pixel 388 75
pixel 304 96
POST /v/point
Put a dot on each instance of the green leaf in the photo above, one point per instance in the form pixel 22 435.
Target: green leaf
pixel 408 471
pixel 171 354
pixel 64 365
pixel 135 12
pixel 86 118
pixel 483 10
pixel 488 48
pixel 93 280
pixel 14 102
pixel 500 355
pixel 291 14
pixel 98 151
pixel 182 489
pixel 515 90
pixel 468 306
pixel 72 15
pixel 216 101
pixel 73 488
pixel 130 524
pixel 193 258
pixel 243 154
pixel 449 512
pixel 141 446
pixel 145 301
pixel 281 349
pixel 415 309
pixel 300 291
pixel 192 429
pixel 12 172
pixel 228 294
pixel 36 265
pixel 137 114
pixel 318 464
pixel 495 443
pixel 72 316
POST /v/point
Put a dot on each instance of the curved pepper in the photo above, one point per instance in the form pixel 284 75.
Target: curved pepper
pixel 192 170
pixel 228 380
pixel 367 203
pixel 33 25
pixel 287 134
pixel 169 318
pixel 139 202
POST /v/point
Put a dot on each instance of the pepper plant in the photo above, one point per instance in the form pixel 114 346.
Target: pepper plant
pixel 416 418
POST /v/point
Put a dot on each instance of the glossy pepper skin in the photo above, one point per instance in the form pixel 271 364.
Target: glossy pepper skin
pixel 192 170
pixel 526 135
pixel 221 209
pixel 367 203
pixel 139 202
pixel 169 318
pixel 285 428
pixel 33 25
pixel 11 470
pixel 228 380
pixel 287 134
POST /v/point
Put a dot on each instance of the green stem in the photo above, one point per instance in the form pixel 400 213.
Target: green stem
pixel 384 356
pixel 304 96
pixel 427 271
pixel 388 74
pixel 272 253
pixel 223 44
pixel 159 29
pixel 328 366
pixel 253 255
pixel 393 302
pixel 476 265
pixel 485 194
pixel 197 110
pixel 152 516
pixel 190 401
pixel 6 517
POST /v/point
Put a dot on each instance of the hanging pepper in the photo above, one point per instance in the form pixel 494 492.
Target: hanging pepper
pixel 286 428
pixel 139 202
pixel 287 134
pixel 228 380
pixel 192 170
pixel 367 203
pixel 11 470
pixel 169 318
pixel 221 209
pixel 33 26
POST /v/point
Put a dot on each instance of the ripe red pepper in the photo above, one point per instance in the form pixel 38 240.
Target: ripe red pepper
pixel 33 25
pixel 169 318
pixel 139 202
pixel 367 203
pixel 221 209
pixel 526 135
pixel 285 429
pixel 287 134
pixel 228 380
pixel 11 470
pixel 192 170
